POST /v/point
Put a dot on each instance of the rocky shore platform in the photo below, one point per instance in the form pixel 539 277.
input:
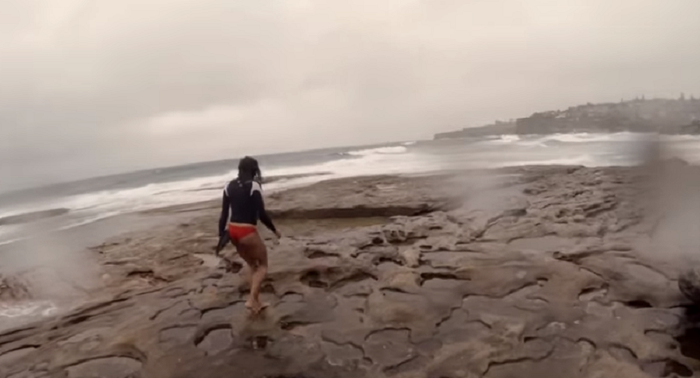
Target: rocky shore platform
pixel 524 272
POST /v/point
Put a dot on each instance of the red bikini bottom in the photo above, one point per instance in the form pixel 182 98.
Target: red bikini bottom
pixel 239 231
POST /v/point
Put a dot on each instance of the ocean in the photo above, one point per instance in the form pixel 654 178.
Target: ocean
pixel 91 200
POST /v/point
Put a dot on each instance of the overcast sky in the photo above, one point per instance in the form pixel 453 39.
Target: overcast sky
pixel 89 87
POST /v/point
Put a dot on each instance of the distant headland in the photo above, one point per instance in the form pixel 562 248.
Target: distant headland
pixel 665 116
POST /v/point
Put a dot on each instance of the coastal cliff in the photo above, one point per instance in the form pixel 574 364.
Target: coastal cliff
pixel 665 116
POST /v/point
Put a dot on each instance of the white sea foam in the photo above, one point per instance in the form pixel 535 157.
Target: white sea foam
pixel 509 138
pixel 27 308
pixel 597 137
pixel 502 139
pixel 390 150
pixel 585 160
pixel 354 163
pixel 542 140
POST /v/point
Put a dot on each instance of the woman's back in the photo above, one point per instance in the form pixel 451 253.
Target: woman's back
pixel 243 203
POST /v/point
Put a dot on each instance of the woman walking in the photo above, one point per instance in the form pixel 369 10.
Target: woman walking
pixel 242 206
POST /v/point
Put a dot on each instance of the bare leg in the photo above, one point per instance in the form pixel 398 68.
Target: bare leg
pixel 256 256
pixel 228 259
pixel 247 256
pixel 256 282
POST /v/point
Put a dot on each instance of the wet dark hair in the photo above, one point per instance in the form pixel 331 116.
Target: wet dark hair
pixel 249 169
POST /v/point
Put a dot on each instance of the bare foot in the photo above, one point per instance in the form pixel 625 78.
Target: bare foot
pixel 255 306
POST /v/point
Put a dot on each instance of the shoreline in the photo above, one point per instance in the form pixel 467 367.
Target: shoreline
pixel 469 260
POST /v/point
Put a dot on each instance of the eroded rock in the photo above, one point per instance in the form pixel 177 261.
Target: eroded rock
pixel 215 340
pixel 10 357
pixel 537 275
pixel 689 284
pixel 108 367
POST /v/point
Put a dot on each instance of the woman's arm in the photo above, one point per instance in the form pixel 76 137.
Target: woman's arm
pixel 223 219
pixel 260 204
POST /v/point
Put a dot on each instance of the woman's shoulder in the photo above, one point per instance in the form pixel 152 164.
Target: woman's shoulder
pixel 255 185
pixel 251 185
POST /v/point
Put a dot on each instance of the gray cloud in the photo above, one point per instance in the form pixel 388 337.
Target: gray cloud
pixel 94 87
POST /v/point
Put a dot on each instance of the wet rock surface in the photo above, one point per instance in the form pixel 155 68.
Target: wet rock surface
pixel 541 272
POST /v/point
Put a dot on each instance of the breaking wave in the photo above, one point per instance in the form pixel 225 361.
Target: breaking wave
pixel 390 150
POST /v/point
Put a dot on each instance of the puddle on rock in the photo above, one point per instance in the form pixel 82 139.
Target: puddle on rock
pixel 259 342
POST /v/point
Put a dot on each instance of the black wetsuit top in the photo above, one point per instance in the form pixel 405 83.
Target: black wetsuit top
pixel 243 203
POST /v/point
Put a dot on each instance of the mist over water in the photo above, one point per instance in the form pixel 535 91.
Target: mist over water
pixel 50 271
